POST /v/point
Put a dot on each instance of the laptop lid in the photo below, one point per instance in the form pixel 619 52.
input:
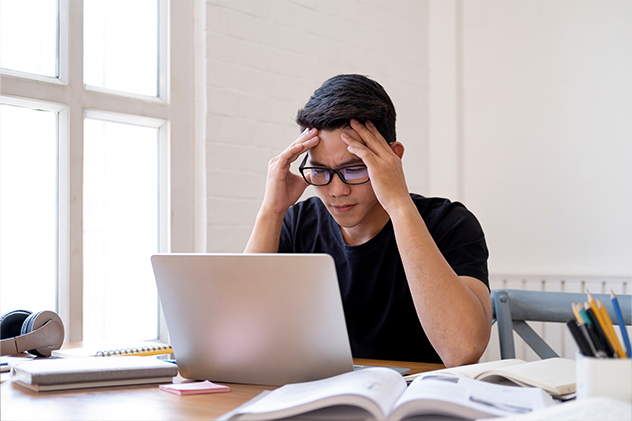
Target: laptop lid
pixel 254 318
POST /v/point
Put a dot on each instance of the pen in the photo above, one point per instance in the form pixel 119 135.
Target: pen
pixel 593 339
pixel 610 329
pixel 583 315
pixel 599 331
pixel 590 333
pixel 622 328
pixel 585 347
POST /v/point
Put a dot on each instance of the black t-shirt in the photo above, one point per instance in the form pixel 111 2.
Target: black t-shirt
pixel 381 319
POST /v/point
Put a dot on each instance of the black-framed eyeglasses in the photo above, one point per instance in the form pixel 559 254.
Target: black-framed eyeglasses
pixel 317 176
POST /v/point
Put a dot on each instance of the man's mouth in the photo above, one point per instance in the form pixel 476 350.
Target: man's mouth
pixel 343 208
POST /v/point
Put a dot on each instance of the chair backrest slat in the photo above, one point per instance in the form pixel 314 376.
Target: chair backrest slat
pixel 511 305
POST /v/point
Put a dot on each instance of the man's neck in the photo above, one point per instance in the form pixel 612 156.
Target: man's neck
pixel 365 231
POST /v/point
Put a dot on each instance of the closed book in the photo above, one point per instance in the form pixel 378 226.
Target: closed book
pixel 78 373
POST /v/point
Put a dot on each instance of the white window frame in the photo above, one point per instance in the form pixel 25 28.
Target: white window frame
pixel 172 112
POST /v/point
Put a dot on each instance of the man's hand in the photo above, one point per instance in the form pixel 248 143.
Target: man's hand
pixel 283 188
pixel 383 162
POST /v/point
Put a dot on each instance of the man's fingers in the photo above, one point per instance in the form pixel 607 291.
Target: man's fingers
pixel 369 134
pixel 307 140
pixel 305 135
pixel 358 148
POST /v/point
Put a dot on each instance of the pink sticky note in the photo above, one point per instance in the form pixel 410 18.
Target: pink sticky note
pixel 194 388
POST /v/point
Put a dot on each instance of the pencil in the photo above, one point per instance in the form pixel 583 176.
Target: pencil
pixel 610 330
pixel 622 328
pixel 603 323
pixel 576 313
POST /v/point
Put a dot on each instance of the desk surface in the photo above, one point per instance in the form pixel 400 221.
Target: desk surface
pixel 138 402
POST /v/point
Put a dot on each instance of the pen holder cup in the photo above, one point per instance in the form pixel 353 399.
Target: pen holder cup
pixel 605 377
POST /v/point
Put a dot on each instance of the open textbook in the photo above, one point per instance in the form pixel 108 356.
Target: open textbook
pixel 381 393
pixel 555 375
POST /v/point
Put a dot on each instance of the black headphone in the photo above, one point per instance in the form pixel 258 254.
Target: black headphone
pixel 37 333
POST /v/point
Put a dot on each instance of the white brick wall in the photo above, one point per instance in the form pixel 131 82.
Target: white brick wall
pixel 264 58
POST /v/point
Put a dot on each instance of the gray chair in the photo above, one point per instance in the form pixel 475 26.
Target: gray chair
pixel 513 308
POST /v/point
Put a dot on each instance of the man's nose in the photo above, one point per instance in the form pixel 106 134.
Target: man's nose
pixel 337 187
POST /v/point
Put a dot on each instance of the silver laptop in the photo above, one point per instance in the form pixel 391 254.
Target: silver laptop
pixel 254 318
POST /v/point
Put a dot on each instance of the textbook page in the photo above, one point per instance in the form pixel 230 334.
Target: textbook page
pixel 453 396
pixel 373 389
pixel 595 408
pixel 555 375
pixel 472 370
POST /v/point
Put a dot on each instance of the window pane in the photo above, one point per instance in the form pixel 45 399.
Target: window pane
pixel 121 45
pixel 28 209
pixel 28 36
pixel 120 193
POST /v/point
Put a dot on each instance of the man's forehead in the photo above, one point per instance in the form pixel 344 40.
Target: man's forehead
pixel 331 151
pixel 332 161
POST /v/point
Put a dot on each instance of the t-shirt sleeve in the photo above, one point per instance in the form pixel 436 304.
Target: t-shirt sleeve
pixel 460 238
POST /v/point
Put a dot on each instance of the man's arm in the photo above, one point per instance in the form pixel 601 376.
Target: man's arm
pixel 283 189
pixel 454 311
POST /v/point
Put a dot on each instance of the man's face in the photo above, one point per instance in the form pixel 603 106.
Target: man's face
pixel 354 207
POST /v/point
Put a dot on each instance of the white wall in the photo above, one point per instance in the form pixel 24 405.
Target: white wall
pixel 542 147
pixel 520 109
pixel 264 58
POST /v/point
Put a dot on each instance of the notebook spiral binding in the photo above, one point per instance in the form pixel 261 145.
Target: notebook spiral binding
pixel 144 350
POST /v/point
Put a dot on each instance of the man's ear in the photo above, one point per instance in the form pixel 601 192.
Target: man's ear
pixel 398 148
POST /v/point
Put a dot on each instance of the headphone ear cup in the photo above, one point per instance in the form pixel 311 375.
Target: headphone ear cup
pixel 11 323
pixel 37 320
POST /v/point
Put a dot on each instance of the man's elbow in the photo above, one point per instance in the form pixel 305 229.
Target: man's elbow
pixel 468 353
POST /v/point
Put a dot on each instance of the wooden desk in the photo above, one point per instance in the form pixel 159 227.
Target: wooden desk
pixel 138 402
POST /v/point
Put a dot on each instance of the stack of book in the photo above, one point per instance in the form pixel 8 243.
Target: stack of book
pixel 78 373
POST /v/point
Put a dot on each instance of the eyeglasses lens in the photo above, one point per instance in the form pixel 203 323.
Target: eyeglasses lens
pixel 322 176
pixel 318 176
pixel 355 175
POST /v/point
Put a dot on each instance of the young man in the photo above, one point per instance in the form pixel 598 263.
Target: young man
pixel 412 270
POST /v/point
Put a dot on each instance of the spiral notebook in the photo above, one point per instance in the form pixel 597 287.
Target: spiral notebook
pixel 141 349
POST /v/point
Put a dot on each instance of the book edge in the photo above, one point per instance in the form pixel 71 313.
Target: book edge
pixel 89 385
pixel 559 389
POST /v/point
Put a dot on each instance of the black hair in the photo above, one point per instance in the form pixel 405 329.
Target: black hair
pixel 344 97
